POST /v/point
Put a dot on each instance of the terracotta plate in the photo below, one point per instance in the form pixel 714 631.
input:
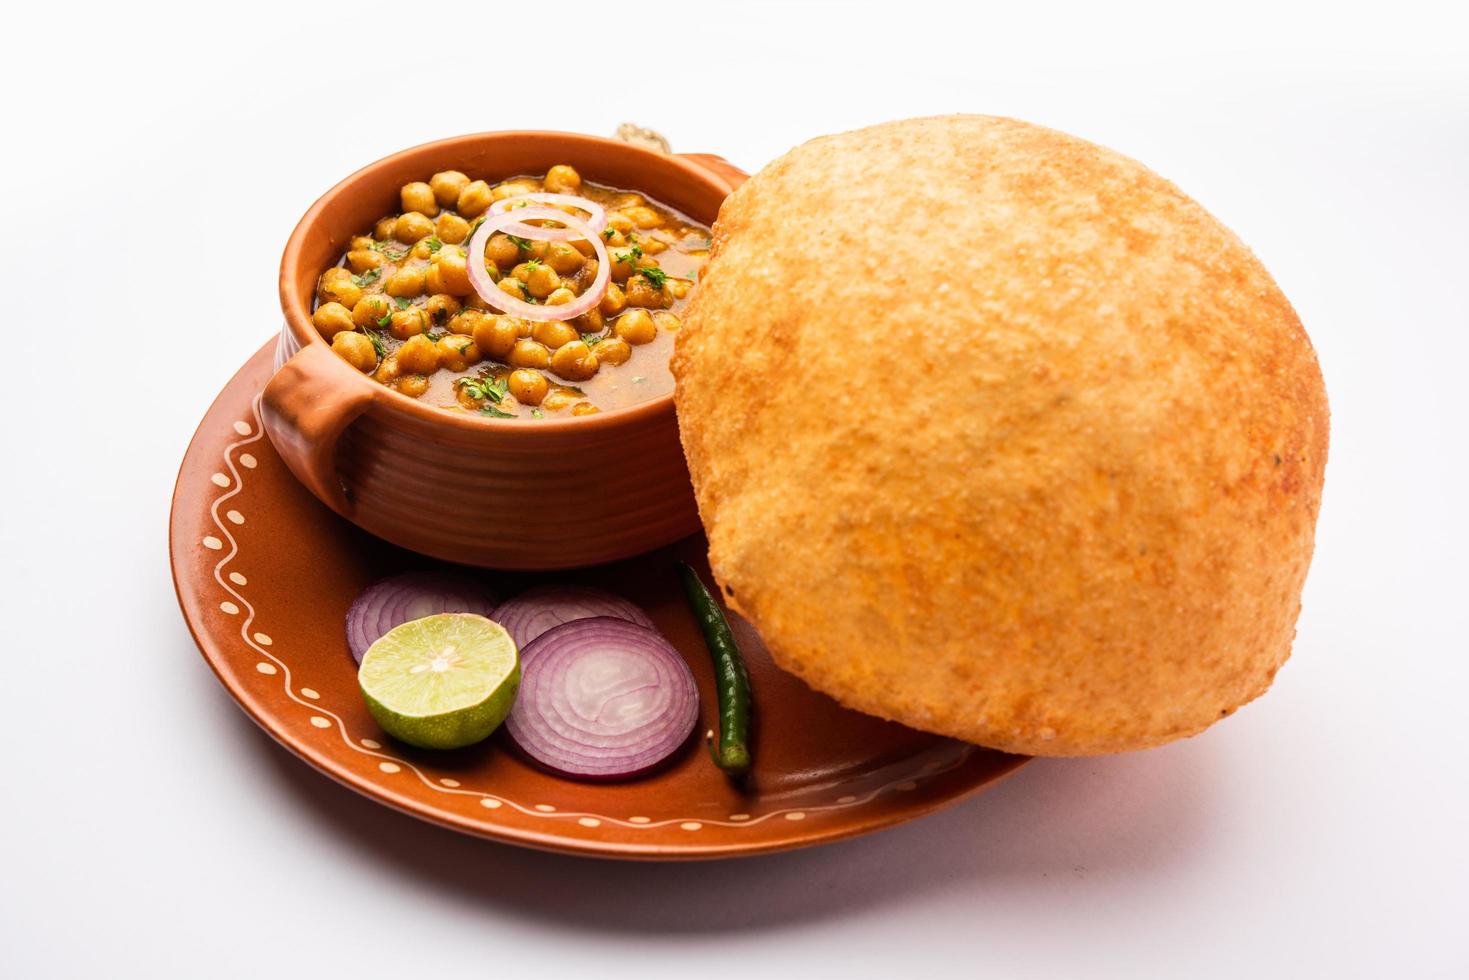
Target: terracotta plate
pixel 265 575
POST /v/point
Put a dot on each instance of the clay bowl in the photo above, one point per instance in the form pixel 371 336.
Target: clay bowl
pixel 496 493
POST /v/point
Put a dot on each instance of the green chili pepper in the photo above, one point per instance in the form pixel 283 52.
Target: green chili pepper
pixel 730 747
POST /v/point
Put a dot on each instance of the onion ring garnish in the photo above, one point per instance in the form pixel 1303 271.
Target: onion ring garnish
pixel 597 220
pixel 493 295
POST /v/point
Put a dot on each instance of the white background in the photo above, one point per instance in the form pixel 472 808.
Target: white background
pixel 155 161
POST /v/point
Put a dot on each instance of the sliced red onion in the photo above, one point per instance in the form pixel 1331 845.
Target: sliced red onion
pixel 597 220
pixel 398 599
pixel 601 698
pixel 528 615
pixel 504 302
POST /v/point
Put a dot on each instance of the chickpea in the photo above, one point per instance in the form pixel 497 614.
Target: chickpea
pixel 370 311
pixel 383 230
pixel 502 251
pixel 418 356
pixel 528 386
pixel 679 288
pixel 591 321
pixel 641 292
pixel 411 227
pixel 613 350
pixel 584 408
pixel 620 221
pixel 360 242
pixel 387 372
pixel 635 327
pixel 412 385
pixel 407 282
pixel 419 197
pixel 554 334
pixel 407 323
pixel 623 265
pixel 575 361
pixel 624 201
pixel 331 319
pixel 560 398
pixel 473 199
pixel 523 327
pixel 466 321
pixel 613 301
pixel 356 350
pixel 475 301
pixel 528 354
pixel 337 286
pixel 562 258
pixel 360 260
pixel 451 228
pixel 441 308
pixel 457 353
pixel 495 336
pixel 614 238
pixel 514 188
pixel 512 286
pixel 447 185
pixel 562 179
pixel 667 321
pixel 541 280
pixel 453 272
pixel 423 250
pixel 560 297
pixel 651 246
pixel 583 247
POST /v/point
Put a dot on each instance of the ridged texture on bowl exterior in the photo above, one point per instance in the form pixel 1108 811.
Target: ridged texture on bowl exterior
pixel 997 434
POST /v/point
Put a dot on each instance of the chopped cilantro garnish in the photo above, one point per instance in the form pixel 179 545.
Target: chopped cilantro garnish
pixel 607 234
pixel 631 256
pixel 368 277
pixel 489 389
pixel 537 413
pixel 433 243
pixel 524 244
pixel 592 339
pixel 403 304
pixel 654 275
pixel 496 413
pixel 638 380
pixel 385 319
pixel 377 341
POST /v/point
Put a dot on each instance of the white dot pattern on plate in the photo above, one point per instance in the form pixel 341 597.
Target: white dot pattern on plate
pixel 229 608
pixel 263 640
pixel 212 543
pixel 265 668
pixel 243 428
pixel 690 825
pixel 235 516
pixel 307 692
pixel 490 804
pixel 321 722
pixel 638 819
pixel 846 799
pixel 906 786
pixel 545 808
pixel 247 461
pixel 739 817
pixel 368 743
pixel 389 767
pixel 589 822
pixel 238 579
pixel 451 783
pixel 220 480
pixel 795 815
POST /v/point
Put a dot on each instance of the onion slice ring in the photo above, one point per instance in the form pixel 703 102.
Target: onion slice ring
pixel 503 301
pixel 596 222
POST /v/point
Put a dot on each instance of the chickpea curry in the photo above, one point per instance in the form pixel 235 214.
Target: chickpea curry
pixel 531 298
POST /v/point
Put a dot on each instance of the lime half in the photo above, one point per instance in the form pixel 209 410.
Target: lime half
pixel 441 682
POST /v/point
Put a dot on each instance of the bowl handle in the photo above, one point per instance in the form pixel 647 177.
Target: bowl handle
pixel 718 166
pixel 306 407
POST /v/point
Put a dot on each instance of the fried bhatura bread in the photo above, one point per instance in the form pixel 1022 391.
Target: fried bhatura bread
pixel 997 434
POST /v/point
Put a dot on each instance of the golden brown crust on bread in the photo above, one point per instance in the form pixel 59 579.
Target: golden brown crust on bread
pixel 997 434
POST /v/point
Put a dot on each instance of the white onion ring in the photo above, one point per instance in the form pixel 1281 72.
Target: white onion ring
pixel 596 222
pixel 503 301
